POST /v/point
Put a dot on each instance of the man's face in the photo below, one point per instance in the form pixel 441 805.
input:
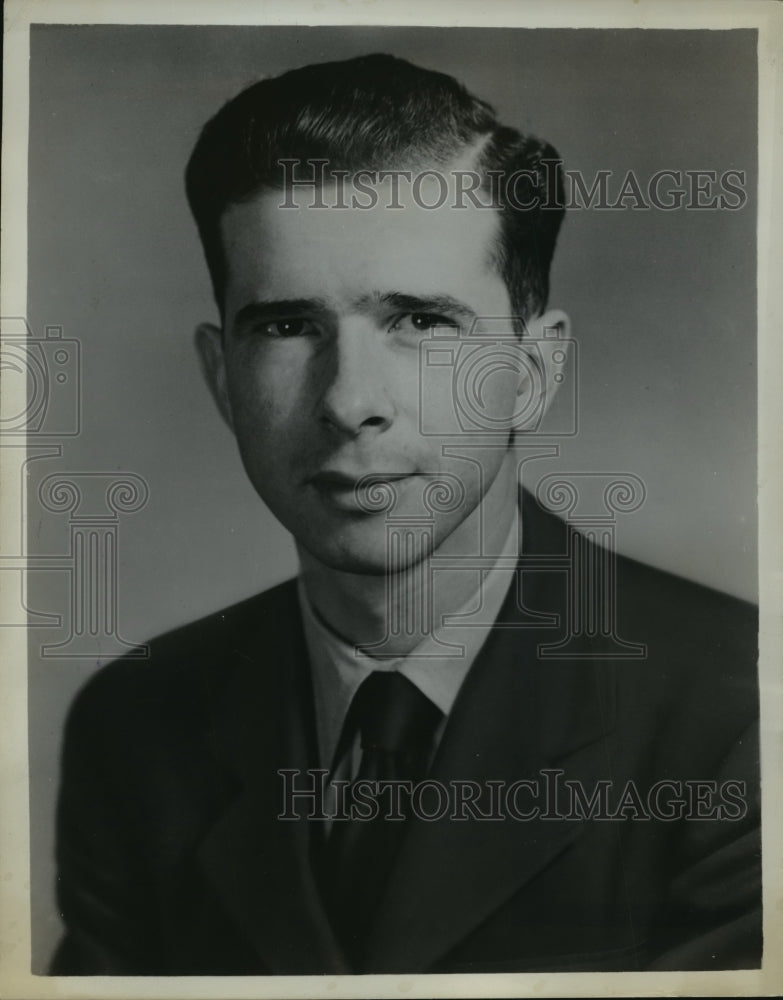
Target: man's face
pixel 318 368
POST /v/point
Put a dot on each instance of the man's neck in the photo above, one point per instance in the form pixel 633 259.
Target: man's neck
pixel 356 605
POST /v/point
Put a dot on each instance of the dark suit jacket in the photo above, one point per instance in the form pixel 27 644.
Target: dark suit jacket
pixel 172 859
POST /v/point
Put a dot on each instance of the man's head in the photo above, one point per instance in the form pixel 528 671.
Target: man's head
pixel 317 365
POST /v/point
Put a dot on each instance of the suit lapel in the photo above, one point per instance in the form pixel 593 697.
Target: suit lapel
pixel 515 715
pixel 258 864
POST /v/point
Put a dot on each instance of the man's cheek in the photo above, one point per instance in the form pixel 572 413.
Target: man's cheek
pixel 468 389
pixel 261 403
pixel 435 409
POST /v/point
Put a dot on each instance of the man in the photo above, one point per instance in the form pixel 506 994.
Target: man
pixel 414 758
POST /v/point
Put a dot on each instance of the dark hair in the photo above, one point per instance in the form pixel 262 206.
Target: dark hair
pixel 371 113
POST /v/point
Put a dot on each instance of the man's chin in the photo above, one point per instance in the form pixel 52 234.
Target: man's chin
pixel 366 556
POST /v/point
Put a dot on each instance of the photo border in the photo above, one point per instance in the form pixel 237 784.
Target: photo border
pixel 15 938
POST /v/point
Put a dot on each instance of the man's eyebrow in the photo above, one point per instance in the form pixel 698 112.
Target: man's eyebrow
pixel 261 309
pixel 435 303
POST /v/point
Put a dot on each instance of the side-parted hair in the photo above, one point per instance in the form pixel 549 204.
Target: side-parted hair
pixel 378 112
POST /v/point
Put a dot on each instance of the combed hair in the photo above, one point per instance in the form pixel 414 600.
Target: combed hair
pixel 376 112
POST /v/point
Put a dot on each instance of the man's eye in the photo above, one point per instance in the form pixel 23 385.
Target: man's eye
pixel 288 328
pixel 423 322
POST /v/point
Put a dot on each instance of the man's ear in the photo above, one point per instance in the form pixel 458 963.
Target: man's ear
pixel 209 343
pixel 547 339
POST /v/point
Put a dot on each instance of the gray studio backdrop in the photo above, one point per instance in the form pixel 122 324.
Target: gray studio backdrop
pixel 663 305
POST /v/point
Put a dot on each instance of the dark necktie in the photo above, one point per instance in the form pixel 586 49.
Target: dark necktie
pixel 396 723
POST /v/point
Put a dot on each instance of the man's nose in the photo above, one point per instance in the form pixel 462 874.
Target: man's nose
pixel 355 396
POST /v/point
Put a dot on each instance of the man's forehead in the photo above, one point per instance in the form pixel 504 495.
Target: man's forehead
pixel 361 258
pixel 344 218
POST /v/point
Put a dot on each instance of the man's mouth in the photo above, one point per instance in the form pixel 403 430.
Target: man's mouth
pixel 365 492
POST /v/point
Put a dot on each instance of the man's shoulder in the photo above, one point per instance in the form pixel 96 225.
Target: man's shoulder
pixel 644 596
pixel 698 672
pixel 678 641
pixel 195 660
pixel 662 601
pixel 232 627
pixel 664 586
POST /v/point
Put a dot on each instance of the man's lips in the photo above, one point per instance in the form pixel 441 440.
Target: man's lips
pixel 336 478
pixel 356 491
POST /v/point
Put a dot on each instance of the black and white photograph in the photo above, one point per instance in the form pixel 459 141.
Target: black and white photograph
pixel 391 555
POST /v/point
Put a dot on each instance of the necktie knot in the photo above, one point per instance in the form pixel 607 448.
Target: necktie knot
pixel 392 715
